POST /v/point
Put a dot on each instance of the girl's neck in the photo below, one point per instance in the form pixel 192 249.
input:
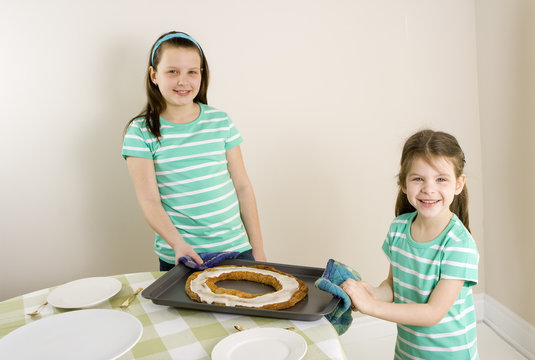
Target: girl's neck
pixel 427 229
pixel 182 114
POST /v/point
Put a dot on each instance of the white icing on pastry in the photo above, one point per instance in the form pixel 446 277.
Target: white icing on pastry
pixel 198 286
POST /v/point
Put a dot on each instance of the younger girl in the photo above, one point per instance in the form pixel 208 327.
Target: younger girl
pixel 433 258
pixel 185 161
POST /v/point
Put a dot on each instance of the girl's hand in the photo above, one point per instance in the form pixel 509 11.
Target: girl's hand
pixel 361 294
pixel 182 248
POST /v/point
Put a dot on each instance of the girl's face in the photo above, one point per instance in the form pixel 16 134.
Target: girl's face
pixel 178 76
pixel 431 188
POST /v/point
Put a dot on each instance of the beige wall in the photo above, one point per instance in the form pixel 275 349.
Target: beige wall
pixel 324 94
pixel 506 53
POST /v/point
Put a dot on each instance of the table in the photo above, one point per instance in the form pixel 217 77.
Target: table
pixel 172 333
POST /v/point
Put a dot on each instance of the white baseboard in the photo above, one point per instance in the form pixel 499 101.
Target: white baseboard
pixel 512 328
pixel 479 303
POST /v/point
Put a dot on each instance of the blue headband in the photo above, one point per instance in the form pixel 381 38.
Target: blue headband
pixel 172 36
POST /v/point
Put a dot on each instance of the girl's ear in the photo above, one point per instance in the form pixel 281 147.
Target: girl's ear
pixel 152 74
pixel 460 184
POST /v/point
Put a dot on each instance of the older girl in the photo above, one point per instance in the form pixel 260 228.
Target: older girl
pixel 185 161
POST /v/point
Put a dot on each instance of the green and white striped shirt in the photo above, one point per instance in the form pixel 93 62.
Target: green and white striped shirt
pixel 193 179
pixel 417 268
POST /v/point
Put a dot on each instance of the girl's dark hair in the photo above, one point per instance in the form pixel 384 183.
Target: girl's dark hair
pixel 427 144
pixel 155 101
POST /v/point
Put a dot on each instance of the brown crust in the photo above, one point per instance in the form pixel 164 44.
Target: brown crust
pixel 249 276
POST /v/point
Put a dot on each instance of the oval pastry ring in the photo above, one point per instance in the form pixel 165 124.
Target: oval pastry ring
pixel 201 286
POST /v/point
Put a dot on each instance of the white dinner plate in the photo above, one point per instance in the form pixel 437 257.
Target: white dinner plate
pixel 84 293
pixel 81 334
pixel 261 344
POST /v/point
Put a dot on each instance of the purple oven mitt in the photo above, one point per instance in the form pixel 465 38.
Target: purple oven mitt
pixel 210 259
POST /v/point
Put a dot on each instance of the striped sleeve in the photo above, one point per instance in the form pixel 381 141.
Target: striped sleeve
pixel 135 141
pixel 460 259
pixel 233 138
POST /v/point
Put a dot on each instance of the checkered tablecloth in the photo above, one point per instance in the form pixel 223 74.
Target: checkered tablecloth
pixel 172 333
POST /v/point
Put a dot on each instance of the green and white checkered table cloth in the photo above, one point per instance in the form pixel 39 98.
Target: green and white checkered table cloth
pixel 172 333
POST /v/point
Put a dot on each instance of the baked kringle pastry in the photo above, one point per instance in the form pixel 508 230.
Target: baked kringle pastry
pixel 289 290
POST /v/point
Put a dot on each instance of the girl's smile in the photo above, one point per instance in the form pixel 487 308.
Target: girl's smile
pixel 429 203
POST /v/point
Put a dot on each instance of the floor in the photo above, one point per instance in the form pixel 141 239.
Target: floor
pixel 490 345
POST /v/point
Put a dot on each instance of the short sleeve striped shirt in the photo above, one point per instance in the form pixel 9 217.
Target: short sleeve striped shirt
pixel 193 179
pixel 417 268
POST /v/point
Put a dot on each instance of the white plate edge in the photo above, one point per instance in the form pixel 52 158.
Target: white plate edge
pixel 60 306
pixel 258 329
pixel 70 313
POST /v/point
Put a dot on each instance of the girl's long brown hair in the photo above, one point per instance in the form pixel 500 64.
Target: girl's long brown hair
pixel 426 144
pixel 155 101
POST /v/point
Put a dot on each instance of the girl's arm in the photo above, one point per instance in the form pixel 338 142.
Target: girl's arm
pixel 247 201
pixel 144 179
pixel 429 314
pixel 385 291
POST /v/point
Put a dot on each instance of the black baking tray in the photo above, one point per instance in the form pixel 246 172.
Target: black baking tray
pixel 169 290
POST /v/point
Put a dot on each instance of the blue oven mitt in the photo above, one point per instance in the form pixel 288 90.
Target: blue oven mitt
pixel 334 275
pixel 210 259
